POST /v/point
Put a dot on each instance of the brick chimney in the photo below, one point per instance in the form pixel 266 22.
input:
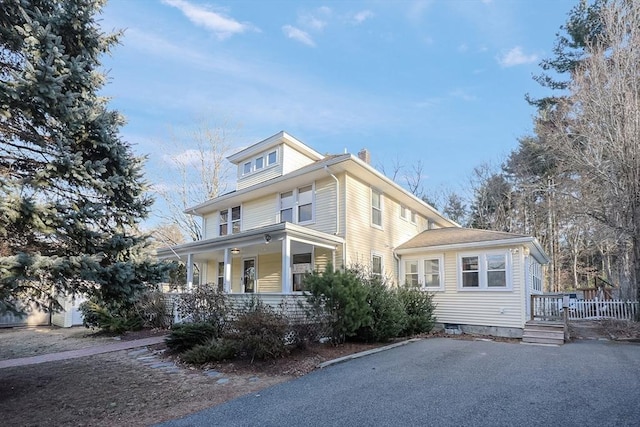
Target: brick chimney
pixel 365 156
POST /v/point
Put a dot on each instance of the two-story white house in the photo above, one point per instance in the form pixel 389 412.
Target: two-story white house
pixel 295 210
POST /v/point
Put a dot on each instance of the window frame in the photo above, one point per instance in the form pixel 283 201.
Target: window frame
pixel 295 205
pixel 230 222
pixel 421 261
pixel 220 276
pixel 268 156
pixel 380 208
pixel 378 255
pixel 417 272
pixel 483 270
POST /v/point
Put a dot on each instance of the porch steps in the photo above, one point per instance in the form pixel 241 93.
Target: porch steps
pixel 543 332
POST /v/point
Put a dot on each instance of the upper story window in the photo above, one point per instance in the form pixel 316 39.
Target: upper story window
pixel 232 226
pixel 403 212
pixel 376 208
pixel 297 206
pixel 484 271
pixel 413 217
pixel 260 162
pixel 272 158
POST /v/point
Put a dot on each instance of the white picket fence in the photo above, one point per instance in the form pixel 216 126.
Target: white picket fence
pixel 594 309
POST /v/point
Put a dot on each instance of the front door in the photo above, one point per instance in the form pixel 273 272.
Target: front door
pixel 249 275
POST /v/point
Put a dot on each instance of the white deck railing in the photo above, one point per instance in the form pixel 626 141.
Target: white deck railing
pixel 607 309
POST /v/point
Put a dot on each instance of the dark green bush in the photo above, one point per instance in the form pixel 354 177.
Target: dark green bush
pixel 388 317
pixel 342 297
pixel 185 336
pixel 214 350
pixel 260 332
pixel 419 307
pixel 112 317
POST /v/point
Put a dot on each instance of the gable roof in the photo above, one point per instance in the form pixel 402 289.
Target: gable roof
pixel 468 238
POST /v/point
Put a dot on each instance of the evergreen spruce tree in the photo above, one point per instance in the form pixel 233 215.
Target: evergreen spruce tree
pixel 71 191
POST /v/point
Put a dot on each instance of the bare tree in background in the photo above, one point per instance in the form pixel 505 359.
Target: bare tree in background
pixel 203 173
pixel 597 137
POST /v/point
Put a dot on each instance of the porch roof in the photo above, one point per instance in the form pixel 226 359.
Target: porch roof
pixel 252 237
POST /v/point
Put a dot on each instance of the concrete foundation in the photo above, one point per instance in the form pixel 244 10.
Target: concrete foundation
pixel 495 331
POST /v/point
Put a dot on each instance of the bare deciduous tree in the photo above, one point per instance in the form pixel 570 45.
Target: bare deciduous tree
pixel 597 137
pixel 202 173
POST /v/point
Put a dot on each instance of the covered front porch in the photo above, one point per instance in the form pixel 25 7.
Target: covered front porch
pixel 266 260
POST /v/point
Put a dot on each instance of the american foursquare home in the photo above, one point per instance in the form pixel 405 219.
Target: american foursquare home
pixel 295 210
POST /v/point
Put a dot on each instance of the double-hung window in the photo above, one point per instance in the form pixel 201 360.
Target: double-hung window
pixel 297 206
pixel 230 221
pixel 376 208
pixel 425 272
pixel 488 270
pixel 305 204
pixel 432 273
pixel 411 274
pixel 224 223
pixel 376 265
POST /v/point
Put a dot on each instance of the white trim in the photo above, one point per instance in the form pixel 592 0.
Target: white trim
pixel 482 271
pixel 381 256
pixel 421 272
pixel 268 145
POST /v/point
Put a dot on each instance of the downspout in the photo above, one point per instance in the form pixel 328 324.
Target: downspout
pixel 337 233
pixel 326 169
pixel 397 258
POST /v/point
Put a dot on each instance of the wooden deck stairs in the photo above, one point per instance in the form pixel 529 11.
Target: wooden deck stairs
pixel 544 332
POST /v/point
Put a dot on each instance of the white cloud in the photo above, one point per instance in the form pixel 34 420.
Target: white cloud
pixel 515 57
pixel 299 35
pixel 362 16
pixel 221 25
pixel 462 94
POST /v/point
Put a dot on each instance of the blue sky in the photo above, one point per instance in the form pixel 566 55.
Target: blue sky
pixel 442 81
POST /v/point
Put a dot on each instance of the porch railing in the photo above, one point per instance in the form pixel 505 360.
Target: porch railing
pixel 293 306
pixel 607 309
pixel 556 306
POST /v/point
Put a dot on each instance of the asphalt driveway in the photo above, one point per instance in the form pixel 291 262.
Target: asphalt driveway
pixel 447 382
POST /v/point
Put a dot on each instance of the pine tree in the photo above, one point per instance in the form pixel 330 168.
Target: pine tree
pixel 71 191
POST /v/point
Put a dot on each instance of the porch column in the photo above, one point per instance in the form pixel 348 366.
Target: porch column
pixel 189 271
pixel 286 265
pixel 227 270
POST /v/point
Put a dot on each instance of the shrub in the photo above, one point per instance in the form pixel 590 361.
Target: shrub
pixel 110 317
pixel 205 303
pixel 388 316
pixel 260 331
pixel 185 336
pixel 342 297
pixel 214 350
pixel 153 310
pixel 419 307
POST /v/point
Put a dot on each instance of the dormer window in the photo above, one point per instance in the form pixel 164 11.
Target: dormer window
pixel 247 168
pixel 272 158
pixel 259 162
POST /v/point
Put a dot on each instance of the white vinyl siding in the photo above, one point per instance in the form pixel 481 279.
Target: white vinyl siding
pixel 292 159
pixel 362 238
pixel 259 175
pixel 259 212
pixel 269 279
pixel 500 309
